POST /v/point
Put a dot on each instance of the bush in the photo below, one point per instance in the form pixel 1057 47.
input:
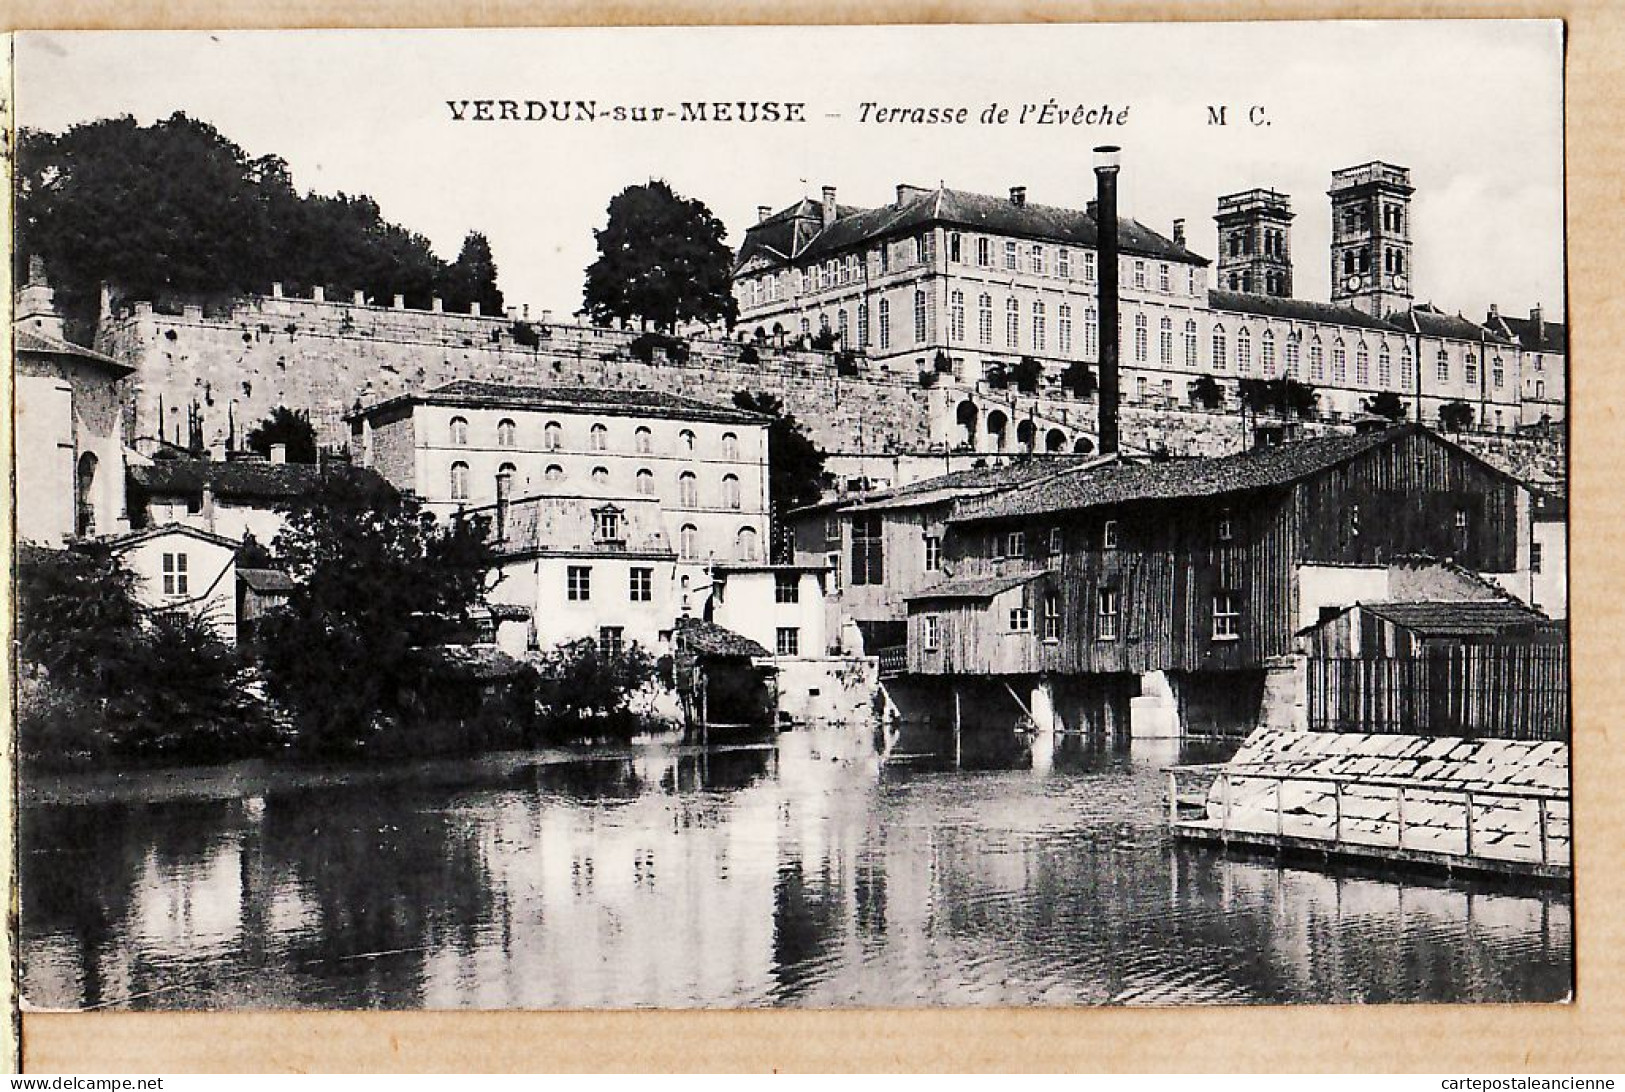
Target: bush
pixel 825 340
pixel 846 362
pixel 577 691
pixel 644 345
pixel 1455 416
pixel 929 377
pixel 1027 374
pixel 523 333
pixel 943 362
pixel 1206 392
pixel 1079 378
pixel 750 355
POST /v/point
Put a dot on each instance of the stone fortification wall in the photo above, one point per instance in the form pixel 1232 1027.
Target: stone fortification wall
pixel 237 363
pixel 324 356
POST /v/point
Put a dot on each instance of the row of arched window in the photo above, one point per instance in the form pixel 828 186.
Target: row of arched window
pixel 730 493
pixel 507 434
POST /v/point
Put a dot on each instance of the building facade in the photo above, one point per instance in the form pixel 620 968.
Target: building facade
pixel 180 568
pixel 967 285
pixel 467 443
pixel 69 429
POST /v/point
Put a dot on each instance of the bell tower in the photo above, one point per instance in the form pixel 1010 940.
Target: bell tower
pixel 1255 242
pixel 1371 237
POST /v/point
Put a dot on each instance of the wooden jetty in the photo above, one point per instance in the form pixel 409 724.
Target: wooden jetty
pixel 1440 825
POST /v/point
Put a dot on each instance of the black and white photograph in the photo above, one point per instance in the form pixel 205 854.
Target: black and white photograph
pixel 763 517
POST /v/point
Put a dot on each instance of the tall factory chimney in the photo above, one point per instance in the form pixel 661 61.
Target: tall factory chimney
pixel 1107 162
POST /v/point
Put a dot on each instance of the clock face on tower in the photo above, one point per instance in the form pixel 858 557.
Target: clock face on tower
pixel 1353 282
pixel 1396 281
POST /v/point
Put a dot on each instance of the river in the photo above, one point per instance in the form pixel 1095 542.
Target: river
pixel 800 871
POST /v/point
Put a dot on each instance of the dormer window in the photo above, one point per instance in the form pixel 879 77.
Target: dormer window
pixel 607 526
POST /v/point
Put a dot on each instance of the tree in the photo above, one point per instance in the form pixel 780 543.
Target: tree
pixel 585 690
pixel 1282 395
pixel 375 579
pixel 661 260
pixel 1079 378
pixel 795 465
pixel 1206 392
pixel 1455 416
pixel 285 426
pixel 472 278
pixel 1026 374
pixel 1386 404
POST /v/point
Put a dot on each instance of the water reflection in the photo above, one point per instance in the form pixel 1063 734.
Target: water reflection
pixel 804 872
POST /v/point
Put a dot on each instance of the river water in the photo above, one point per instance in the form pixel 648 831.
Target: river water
pixel 801 871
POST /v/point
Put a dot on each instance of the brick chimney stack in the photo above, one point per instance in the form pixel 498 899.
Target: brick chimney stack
pixel 1179 232
pixel 1538 317
pixel 829 205
pixel 763 212
pixel 1018 196
pixel 1108 161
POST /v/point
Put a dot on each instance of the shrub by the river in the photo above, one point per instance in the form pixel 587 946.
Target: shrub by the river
pixel 102 677
pixel 579 691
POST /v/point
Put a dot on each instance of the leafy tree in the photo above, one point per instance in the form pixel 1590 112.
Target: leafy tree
pixel 285 426
pixel 1386 404
pixel 585 690
pixel 661 260
pixel 996 376
pixel 796 475
pixel 472 278
pixel 254 554
pixel 376 578
pixel 1026 374
pixel 824 340
pixel 1079 378
pixel 1206 392
pixel 1282 395
pixel 943 363
pixel 176 210
pixel 1455 416
pixel 77 617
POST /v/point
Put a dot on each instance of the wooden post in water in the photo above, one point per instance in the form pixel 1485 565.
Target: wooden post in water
pixel 1173 800
pixel 1469 799
pixel 1545 853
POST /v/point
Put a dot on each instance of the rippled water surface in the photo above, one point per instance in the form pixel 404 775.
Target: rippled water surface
pixel 799 872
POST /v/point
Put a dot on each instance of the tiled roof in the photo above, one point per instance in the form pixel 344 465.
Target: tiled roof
pixel 975 587
pixel 1545 337
pixel 563 524
pixel 247 479
pixel 266 580
pixel 1429 321
pixel 135 538
pixel 32 340
pixel 1250 303
pixel 961 208
pixel 1466 618
pixel 474 392
pixel 961 483
pixel 709 639
pixel 1178 479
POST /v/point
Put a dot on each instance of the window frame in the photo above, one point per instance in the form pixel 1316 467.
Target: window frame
pixel 578 583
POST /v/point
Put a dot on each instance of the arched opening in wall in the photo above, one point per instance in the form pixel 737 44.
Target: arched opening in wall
pixel 1083 445
pixel 1055 441
pixel 965 417
pixel 84 495
pixel 1027 436
pixel 998 425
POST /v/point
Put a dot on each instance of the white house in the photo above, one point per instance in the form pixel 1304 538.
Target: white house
pixel 184 568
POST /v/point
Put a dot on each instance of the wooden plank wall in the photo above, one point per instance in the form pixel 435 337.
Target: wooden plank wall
pixel 1478 691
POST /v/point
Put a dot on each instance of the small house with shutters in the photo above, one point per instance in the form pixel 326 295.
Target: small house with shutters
pixel 181 568
pixel 1171 588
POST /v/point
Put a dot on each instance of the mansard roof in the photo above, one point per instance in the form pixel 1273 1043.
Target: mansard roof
pixel 476 393
pixel 956 208
pixel 1189 479
pixel 1250 303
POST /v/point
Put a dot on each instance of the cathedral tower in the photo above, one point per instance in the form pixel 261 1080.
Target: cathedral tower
pixel 1371 237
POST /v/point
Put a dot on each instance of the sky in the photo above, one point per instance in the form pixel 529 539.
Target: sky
pixel 1473 108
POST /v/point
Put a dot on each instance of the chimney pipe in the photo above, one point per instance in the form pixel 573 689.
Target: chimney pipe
pixel 1179 232
pixel 1538 317
pixel 208 507
pixel 763 212
pixel 829 205
pixel 1107 164
pixel 1018 196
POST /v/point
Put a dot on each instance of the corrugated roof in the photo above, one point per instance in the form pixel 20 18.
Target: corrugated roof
pixel 959 208
pixel 975 587
pixel 474 392
pixel 30 339
pixel 1464 618
pixel 1119 483
pixel 1250 303
pixel 704 638
pixel 247 479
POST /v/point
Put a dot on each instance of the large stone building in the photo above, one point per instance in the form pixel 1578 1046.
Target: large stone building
pixel 967 285
pixel 468 443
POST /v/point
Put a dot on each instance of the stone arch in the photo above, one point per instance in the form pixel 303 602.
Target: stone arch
pixel 1027 436
pixel 1054 441
pixel 1083 445
pixel 998 429
pixel 965 416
